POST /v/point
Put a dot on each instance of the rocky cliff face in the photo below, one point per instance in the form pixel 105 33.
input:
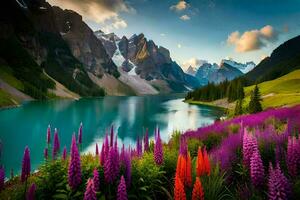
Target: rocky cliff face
pixel 58 41
pixel 84 45
pixel 144 58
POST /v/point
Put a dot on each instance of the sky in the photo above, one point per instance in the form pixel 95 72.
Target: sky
pixel 197 30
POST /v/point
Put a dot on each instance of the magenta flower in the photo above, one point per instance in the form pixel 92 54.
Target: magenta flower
pixel 158 149
pixel 80 134
pixel 26 167
pixel 90 193
pixel 31 192
pixel 249 146
pixel 48 134
pixel 96 180
pixel 64 156
pixel 183 149
pixel 278 185
pixel 97 150
pixel 293 155
pixel 74 171
pixel 46 153
pixel 146 141
pixel 127 163
pixel 139 147
pixel 111 136
pixel 104 150
pixel 2 178
pixel 56 144
pixel 109 166
pixel 122 193
pixel 256 169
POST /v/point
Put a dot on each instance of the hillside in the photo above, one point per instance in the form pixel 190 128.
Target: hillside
pixel 283 91
pixel 284 59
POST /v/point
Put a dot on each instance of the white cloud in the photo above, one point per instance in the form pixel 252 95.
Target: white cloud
pixel 194 62
pixel 180 6
pixel 185 17
pixel 162 34
pixel 253 39
pixel 117 23
pixel 104 12
pixel 179 46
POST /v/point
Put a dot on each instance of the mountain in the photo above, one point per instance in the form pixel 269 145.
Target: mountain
pixel 284 59
pixel 50 51
pixel 244 68
pixel 191 70
pixel 140 58
pixel 46 51
pixel 214 73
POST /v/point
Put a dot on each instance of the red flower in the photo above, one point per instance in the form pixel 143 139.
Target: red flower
pixel 179 193
pixel 198 193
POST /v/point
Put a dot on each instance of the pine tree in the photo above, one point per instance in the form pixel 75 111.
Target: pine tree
pixel 238 107
pixel 254 104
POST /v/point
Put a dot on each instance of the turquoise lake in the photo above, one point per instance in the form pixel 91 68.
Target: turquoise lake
pixel 27 124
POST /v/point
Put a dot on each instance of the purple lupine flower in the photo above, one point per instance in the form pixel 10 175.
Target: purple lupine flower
pixel 46 153
pixel 96 180
pixel 111 136
pixel 256 169
pixel 139 147
pixel 109 167
pixel 146 141
pixel 48 134
pixel 116 158
pixel 26 167
pixel 122 155
pixel 104 150
pixel 127 163
pixel 293 155
pixel 122 193
pixel 80 134
pixel 64 156
pixel 278 153
pixel 278 185
pixel 158 150
pixel 56 144
pixel 2 178
pixel 249 146
pixel 74 171
pixel 31 192
pixel 183 149
pixel 90 193
pixel 97 150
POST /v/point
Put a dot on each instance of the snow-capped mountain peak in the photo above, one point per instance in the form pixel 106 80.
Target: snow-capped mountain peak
pixel 248 66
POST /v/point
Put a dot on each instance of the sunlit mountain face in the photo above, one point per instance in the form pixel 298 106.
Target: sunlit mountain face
pixel 209 30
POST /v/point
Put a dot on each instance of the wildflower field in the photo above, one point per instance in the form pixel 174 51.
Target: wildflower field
pixel 248 157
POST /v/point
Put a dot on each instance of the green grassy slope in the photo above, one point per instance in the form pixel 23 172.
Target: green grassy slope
pixel 282 91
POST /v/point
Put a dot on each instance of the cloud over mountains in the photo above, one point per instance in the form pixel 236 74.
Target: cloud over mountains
pixel 104 12
pixel 253 39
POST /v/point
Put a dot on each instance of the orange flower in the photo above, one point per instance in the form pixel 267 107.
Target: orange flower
pixel 179 193
pixel 189 171
pixel 199 163
pixel 198 193
pixel 206 162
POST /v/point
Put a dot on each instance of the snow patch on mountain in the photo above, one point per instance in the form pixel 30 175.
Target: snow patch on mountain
pixel 118 57
pixel 244 68
pixel 132 71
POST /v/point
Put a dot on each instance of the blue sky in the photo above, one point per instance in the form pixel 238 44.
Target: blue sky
pixel 198 29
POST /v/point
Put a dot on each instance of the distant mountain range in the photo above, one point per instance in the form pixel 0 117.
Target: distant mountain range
pixel 228 69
